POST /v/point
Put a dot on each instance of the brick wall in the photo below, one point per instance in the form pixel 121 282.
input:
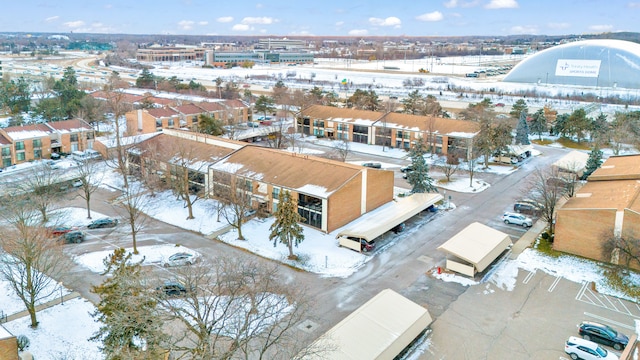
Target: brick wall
pixel 581 231
pixel 9 348
pixel 379 188
pixel 344 204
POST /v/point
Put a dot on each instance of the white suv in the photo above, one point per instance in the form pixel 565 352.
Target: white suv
pixel 583 349
pixel 518 219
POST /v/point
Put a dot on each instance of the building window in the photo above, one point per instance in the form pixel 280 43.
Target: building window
pixel 275 193
pixel 6 162
pixel 37 154
pixel 6 151
pixel 90 135
pixel 74 137
pixel 37 143
pixel 74 147
pixel 171 122
pixel 20 156
pixel 19 145
pixel 158 123
pixel 195 119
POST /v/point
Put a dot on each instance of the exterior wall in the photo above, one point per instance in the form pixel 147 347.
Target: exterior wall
pixel 631 230
pixel 379 188
pixel 344 205
pixel 9 348
pixel 580 231
pixel 45 149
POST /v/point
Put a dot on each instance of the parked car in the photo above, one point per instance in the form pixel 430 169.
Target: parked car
pixel 76 183
pixel 373 165
pixel 172 288
pixel 407 168
pixel 73 237
pixel 181 258
pixel 56 231
pixel 603 334
pixel 527 208
pixel 103 223
pixel 517 219
pixel 578 348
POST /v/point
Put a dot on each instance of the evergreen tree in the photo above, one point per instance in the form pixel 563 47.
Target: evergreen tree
pixel 419 178
pixel 132 327
pixel 517 109
pixel 522 130
pixel 265 104
pixel 146 80
pixel 413 102
pixel 538 123
pixel 593 162
pixel 600 129
pixel 210 125
pixel 286 227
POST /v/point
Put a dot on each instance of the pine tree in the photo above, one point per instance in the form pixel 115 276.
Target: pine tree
pixel 593 162
pixel 132 328
pixel 286 228
pixel 419 178
pixel 522 130
pixel 538 123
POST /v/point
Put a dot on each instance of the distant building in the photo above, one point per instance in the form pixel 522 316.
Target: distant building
pixel 280 44
pixel 171 54
pixel 221 59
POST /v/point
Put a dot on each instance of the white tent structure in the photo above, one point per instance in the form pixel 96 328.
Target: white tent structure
pixel 572 163
pixel 474 248
pixel 386 217
pixel 378 330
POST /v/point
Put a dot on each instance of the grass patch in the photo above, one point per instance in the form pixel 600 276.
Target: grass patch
pixel 568 143
pixel 621 279
pixel 545 246
pixel 443 181
pixel 542 142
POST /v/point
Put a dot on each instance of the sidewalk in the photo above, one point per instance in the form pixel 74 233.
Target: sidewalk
pixel 40 307
pixel 528 238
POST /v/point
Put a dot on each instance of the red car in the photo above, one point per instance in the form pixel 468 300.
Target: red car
pixel 59 230
pixel 500 105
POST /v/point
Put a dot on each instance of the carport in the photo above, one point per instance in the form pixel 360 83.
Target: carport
pixel 474 248
pixel 378 330
pixel 386 217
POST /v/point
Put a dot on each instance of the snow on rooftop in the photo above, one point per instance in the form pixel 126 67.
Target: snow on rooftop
pixel 315 190
pixel 4 333
pixel 460 134
pixel 27 134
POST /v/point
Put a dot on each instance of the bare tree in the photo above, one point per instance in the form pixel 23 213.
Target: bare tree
pixel 449 165
pixel 238 309
pixel 235 193
pixel 29 261
pixel 132 205
pixel 41 187
pixel 118 107
pixel 547 193
pixel 621 249
pixel 342 148
pixel 90 177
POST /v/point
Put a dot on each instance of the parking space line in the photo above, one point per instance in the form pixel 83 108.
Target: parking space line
pixel 606 320
pixel 624 306
pixel 554 284
pixel 582 290
pixel 528 277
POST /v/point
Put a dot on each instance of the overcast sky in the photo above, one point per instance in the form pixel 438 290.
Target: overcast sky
pixel 321 17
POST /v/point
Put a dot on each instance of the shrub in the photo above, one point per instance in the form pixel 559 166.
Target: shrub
pixel 23 342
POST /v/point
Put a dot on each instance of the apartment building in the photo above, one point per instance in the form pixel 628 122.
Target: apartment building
pixel 388 129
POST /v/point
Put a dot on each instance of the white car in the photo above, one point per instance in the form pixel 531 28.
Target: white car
pixel 588 350
pixel 181 258
pixel 518 219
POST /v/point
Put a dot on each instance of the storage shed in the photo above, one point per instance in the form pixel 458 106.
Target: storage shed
pixel 474 248
pixel 378 330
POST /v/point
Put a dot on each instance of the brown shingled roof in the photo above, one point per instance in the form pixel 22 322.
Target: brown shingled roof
pixel 234 103
pixel 205 152
pixel 618 168
pixel 290 170
pixel 210 106
pixel 605 195
pixel 427 123
pixel 188 109
pixel 73 124
pixel 125 97
pixel 162 112
pixel 332 112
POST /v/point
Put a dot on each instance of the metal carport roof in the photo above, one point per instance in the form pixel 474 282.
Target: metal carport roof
pixel 375 223
pixel 477 244
pixel 378 330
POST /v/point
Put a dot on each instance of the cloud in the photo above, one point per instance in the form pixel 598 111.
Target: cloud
pixel 203 23
pixel 390 21
pixel 186 24
pixel 259 6
pixel 601 28
pixel 225 19
pixel 634 5
pixel 258 20
pixel 241 27
pixel 524 29
pixel 52 18
pixel 432 16
pixel 558 25
pixel 502 4
pixel 358 32
pixel 74 24
pixel 451 4
pixel 456 3
pixel 340 23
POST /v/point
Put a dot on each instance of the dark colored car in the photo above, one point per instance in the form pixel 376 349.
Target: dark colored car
pixel 59 230
pixel 373 165
pixel 73 237
pixel 526 208
pixel 602 334
pixel 103 223
pixel 366 246
pixel 407 168
pixel 172 288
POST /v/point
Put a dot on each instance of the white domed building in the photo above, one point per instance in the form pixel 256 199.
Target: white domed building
pixel 588 63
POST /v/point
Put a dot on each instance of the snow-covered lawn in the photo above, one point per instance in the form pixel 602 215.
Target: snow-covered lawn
pixel 11 304
pixel 63 332
pixel 153 254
